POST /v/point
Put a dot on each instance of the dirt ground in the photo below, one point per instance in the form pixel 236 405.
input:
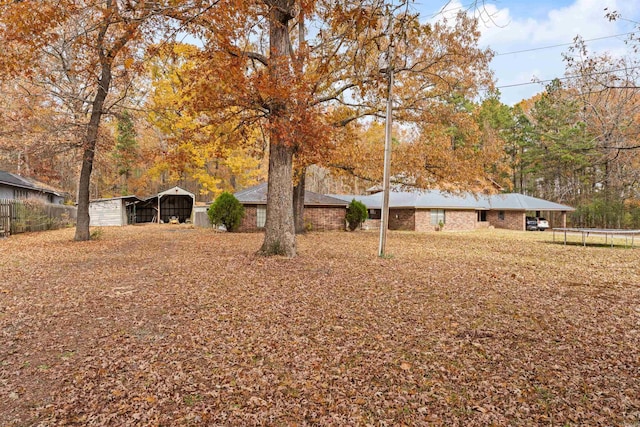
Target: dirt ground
pixel 169 325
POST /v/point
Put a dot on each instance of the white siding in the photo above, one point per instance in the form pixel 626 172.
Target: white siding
pixel 107 213
pixel 200 216
pixel 6 192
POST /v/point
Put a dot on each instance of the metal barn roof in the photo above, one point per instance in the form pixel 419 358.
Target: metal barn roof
pixel 176 191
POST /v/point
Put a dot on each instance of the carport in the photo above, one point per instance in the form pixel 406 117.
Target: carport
pixel 174 202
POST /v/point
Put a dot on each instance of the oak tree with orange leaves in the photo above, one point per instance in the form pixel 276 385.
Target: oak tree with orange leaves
pixel 306 71
pixel 302 71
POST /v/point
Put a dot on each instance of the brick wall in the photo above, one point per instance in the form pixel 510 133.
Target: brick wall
pixel 423 220
pixel 318 218
pixel 402 219
pixel 372 224
pixel 460 220
pixel 481 225
pixel 249 223
pixel 513 220
pixel 455 220
pixel 325 218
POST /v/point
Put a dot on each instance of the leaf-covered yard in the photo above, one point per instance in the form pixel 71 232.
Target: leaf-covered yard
pixel 163 325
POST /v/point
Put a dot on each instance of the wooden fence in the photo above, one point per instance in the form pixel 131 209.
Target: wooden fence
pixel 19 216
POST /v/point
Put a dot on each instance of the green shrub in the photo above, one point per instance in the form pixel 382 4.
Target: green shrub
pixel 96 234
pixel 227 211
pixel 356 214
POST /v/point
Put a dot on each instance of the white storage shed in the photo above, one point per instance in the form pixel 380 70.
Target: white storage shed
pixel 115 211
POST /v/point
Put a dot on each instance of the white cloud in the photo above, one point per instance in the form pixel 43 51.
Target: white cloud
pixel 504 31
pixel 584 18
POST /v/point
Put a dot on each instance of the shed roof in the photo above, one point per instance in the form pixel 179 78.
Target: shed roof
pixel 131 198
pixel 257 195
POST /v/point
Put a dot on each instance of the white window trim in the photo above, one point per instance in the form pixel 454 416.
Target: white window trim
pixel 261 216
pixel 437 215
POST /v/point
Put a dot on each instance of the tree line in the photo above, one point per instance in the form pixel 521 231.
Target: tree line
pixel 111 97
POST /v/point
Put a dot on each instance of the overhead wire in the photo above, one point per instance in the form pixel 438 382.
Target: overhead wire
pixel 563 44
pixel 445 9
pixel 565 77
pixel 598 73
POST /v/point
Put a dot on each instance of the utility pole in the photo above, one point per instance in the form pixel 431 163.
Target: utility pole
pixel 387 141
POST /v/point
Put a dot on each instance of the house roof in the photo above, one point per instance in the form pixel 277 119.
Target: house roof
pixel 436 199
pixel 422 199
pixel 517 201
pixel 15 180
pixel 257 195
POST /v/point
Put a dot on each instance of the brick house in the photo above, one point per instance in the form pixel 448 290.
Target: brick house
pixel 424 210
pixel 321 213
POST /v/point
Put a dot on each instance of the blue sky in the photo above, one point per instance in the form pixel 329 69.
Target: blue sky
pixel 517 25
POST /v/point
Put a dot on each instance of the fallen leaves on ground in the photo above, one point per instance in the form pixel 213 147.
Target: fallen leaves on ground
pixel 168 325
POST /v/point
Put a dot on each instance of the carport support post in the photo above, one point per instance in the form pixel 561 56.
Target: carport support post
pixel 159 209
pixel 564 219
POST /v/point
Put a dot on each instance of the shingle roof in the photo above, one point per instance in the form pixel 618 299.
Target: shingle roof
pixel 422 199
pixel 443 200
pixel 15 180
pixel 258 195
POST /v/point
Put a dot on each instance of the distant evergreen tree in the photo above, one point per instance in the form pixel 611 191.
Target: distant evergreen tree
pixel 126 149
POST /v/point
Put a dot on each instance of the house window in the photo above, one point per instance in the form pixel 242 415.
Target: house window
pixel 437 216
pixel 482 216
pixel 261 215
pixel 375 213
pixel 501 215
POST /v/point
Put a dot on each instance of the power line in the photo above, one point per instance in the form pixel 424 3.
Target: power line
pixel 562 44
pixel 569 77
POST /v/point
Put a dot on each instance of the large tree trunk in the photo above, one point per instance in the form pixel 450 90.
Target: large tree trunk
pixel 298 201
pixel 280 237
pixel 90 140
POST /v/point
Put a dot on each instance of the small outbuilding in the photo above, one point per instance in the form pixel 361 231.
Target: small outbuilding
pixel 174 203
pixel 115 211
